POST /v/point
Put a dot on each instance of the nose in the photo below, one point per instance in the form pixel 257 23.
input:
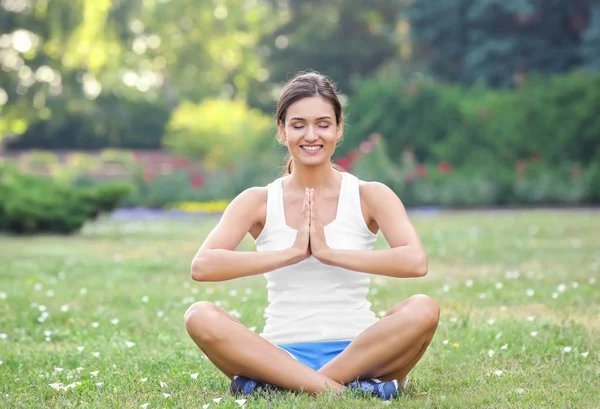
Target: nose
pixel 311 134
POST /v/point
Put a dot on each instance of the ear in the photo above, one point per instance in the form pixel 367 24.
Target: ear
pixel 340 130
pixel 281 132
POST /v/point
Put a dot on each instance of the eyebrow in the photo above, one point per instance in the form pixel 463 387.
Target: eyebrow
pixel 318 119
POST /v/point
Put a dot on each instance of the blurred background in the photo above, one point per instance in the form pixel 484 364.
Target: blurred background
pixel 167 106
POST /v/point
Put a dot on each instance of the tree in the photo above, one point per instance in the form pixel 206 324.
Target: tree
pixel 101 68
pixel 590 48
pixel 497 41
pixel 57 57
pixel 342 39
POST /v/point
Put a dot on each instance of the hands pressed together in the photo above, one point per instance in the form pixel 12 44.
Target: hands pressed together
pixel 311 235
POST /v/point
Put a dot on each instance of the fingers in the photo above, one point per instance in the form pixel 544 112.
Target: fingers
pixel 306 208
pixel 312 207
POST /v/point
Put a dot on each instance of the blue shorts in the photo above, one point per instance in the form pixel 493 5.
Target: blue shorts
pixel 315 354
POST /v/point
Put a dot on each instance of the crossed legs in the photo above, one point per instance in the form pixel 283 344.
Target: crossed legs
pixel 387 350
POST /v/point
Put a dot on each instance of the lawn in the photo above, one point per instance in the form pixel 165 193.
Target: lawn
pixel 96 320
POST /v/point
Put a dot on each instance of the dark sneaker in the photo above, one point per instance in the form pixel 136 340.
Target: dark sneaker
pixel 377 388
pixel 245 386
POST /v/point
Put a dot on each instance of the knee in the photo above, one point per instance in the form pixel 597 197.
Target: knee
pixel 202 321
pixel 426 309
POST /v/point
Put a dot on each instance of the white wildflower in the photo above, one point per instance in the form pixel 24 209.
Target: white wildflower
pixel 55 386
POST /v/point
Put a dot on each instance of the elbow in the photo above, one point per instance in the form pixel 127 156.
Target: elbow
pixel 198 269
pixel 422 266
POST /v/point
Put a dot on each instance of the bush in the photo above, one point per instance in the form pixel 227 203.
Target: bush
pixel 37 204
pixel 552 118
pixel 564 185
pixel 526 182
pixel 217 131
pixel 222 184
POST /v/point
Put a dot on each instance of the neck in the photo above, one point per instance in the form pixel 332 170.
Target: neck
pixel 320 178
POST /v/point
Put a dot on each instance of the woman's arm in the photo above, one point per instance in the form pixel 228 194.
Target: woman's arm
pixel 405 257
pixel 218 260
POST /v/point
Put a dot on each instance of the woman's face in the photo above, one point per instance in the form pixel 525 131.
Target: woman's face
pixel 310 131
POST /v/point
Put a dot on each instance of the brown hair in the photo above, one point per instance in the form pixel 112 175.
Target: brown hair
pixel 304 85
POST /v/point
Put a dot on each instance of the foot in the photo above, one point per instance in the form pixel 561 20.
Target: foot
pixel 377 388
pixel 245 386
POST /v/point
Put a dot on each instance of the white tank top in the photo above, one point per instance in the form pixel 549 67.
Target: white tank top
pixel 311 301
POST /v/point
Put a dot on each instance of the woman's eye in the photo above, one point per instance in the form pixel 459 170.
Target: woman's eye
pixel 324 126
pixel 298 126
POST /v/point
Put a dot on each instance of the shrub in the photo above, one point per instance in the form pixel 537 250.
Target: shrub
pixel 217 131
pixel 526 182
pixel 554 118
pixel 38 204
pixel 223 183
pixel 539 183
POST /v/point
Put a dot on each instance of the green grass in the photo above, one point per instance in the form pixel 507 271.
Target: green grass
pixel 474 258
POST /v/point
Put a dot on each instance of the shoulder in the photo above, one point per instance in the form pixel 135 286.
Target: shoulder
pixel 376 195
pixel 251 197
pixel 374 191
pixel 369 190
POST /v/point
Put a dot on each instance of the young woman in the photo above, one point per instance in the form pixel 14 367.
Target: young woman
pixel 314 230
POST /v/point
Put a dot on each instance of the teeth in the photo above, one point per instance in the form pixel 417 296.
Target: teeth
pixel 311 148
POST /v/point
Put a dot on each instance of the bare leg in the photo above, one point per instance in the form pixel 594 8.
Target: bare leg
pixel 236 350
pixel 391 347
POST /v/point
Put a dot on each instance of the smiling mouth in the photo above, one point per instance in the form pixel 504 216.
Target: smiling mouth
pixel 311 148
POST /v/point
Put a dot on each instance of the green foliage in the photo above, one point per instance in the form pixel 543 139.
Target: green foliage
pixel 478 184
pixel 41 159
pixel 552 118
pixel 92 74
pixel 34 204
pixel 159 192
pixel 411 115
pixel 591 40
pixel 566 185
pixel 496 41
pixel 219 184
pixel 118 122
pixel 61 57
pixel 342 39
pixel 373 163
pixel 217 131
